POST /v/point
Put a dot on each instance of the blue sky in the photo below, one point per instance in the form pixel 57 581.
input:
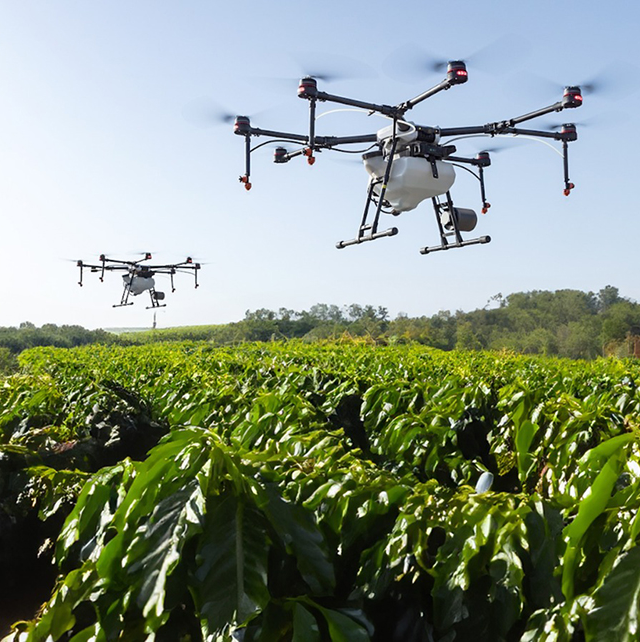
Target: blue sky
pixel 104 148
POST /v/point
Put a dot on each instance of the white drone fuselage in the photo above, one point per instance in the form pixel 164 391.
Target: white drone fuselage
pixel 138 284
pixel 412 179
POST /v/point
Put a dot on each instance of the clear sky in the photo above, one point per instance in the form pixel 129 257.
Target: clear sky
pixel 105 147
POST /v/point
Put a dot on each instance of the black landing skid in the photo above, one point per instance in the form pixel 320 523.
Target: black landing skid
pixel 451 222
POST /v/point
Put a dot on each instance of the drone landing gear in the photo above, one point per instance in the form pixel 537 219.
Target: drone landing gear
pixel 156 297
pixel 451 222
pixel 369 231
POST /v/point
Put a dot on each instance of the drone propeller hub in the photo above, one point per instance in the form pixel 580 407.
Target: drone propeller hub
pixel 572 97
pixel 280 155
pixel 569 131
pixel 484 158
pixel 242 125
pixel 457 72
pixel 308 88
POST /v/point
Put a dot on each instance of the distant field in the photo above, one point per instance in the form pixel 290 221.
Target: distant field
pixel 126 330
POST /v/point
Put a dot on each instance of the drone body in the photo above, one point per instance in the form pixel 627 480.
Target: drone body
pixel 138 276
pixel 409 163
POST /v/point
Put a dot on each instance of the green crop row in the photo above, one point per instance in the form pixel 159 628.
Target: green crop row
pixel 328 492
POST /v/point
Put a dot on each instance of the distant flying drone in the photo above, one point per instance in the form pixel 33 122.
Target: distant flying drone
pixel 408 162
pixel 138 278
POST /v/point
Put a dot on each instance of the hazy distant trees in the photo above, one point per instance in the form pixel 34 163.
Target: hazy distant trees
pixel 27 335
pixel 566 323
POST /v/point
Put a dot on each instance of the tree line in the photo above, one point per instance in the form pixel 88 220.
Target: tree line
pixel 567 323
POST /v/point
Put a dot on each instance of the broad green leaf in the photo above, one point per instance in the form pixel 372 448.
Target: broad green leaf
pixel 342 628
pixel 589 509
pixel 616 615
pixel 524 436
pixel 157 546
pixel 609 447
pixel 301 536
pixel 229 581
pixel 305 627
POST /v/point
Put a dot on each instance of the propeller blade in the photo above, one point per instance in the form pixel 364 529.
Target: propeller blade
pixel 204 112
pixel 326 68
pixel 332 67
pixel 411 62
pixel 604 121
pixel 615 81
pixel 501 55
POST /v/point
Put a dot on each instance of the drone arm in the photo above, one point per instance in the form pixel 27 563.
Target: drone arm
pixel 256 131
pixel 333 141
pixel 409 104
pixel 387 110
pixel 571 98
pixel 539 133
pixel 504 127
pixel 323 142
pixel 456 74
pixel 535 114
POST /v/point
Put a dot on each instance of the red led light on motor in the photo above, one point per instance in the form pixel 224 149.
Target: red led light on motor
pixel 461 72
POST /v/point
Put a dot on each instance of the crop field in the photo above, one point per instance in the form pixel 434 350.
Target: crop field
pixel 312 492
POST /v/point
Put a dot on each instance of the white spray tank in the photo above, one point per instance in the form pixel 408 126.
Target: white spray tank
pixel 138 284
pixel 412 178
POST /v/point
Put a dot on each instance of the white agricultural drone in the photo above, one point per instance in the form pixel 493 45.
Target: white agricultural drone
pixel 138 278
pixel 409 163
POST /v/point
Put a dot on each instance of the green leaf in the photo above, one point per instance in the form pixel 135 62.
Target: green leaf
pixel 524 436
pixel 157 546
pixel 616 615
pixel 230 581
pixel 342 628
pixel 590 508
pixel 305 627
pixel 608 447
pixel 301 536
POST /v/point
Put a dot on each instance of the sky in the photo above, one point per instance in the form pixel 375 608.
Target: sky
pixel 109 144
